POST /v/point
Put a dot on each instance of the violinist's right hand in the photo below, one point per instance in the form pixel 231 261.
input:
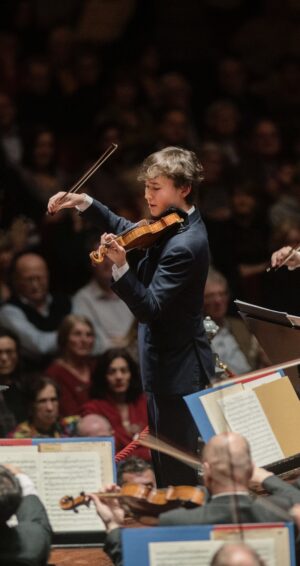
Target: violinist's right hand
pixel 109 510
pixel 280 258
pixel 57 202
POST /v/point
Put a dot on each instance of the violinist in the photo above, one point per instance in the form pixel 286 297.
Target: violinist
pixel 228 469
pixel 165 294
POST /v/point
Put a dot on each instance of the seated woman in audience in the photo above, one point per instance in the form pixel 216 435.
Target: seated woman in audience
pixel 43 411
pixel 12 407
pixel 72 370
pixel 116 394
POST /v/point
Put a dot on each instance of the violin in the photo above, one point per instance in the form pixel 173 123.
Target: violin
pixel 143 235
pixel 139 499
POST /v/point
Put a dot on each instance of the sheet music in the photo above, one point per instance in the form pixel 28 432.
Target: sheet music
pixel 245 415
pixel 183 553
pixel 214 410
pixel 103 449
pixel 271 543
pixel 193 553
pixel 63 473
pixel 23 457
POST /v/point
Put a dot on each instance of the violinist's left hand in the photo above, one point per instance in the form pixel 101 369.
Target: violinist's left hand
pixel 115 252
pixel 109 510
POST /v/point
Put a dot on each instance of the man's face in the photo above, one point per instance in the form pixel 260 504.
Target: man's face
pixel 146 477
pixel 215 301
pixel 31 279
pixel 8 356
pixel 161 193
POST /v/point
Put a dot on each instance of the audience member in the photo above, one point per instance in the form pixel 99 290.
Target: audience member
pixel 13 409
pixel 32 313
pixel 236 554
pixel 10 137
pixel 110 316
pixel 240 245
pixel 233 343
pixel 72 370
pixel 223 123
pixel 116 393
pixel 135 470
pixel 94 425
pixel 40 166
pixel 43 409
pixel 29 541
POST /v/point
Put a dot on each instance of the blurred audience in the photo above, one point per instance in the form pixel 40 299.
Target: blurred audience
pixel 13 407
pixel 117 394
pixel 44 420
pixel 110 316
pixel 72 370
pixel 94 425
pixel 32 313
pixel 234 344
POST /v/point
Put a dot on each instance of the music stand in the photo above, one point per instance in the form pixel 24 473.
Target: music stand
pixel 276 333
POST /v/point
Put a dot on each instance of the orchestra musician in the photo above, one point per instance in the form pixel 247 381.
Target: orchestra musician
pixel 165 294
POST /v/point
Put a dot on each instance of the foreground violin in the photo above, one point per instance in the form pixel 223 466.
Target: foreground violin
pixel 139 499
pixel 143 235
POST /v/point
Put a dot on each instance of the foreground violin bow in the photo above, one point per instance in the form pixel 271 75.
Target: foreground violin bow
pixel 80 182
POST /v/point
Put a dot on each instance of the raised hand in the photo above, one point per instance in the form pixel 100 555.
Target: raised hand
pixel 286 256
pixel 63 200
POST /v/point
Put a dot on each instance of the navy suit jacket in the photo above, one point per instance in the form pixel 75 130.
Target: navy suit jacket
pixel 165 294
pixel 29 542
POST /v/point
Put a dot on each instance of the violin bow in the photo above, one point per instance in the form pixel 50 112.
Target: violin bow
pixel 156 444
pixel 80 182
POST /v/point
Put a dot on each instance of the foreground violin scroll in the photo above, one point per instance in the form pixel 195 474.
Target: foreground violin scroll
pixel 141 500
pixel 143 235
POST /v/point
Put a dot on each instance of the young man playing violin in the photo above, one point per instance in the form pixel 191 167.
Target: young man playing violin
pixel 165 294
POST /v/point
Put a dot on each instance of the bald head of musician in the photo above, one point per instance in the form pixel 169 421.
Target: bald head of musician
pixel 227 463
pixel 236 555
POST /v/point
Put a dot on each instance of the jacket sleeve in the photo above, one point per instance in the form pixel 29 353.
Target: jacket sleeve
pixel 283 490
pixel 113 547
pixel 105 219
pixel 172 274
pixel 32 511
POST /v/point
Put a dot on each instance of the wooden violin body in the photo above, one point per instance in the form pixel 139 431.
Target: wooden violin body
pixel 142 235
pixel 139 499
